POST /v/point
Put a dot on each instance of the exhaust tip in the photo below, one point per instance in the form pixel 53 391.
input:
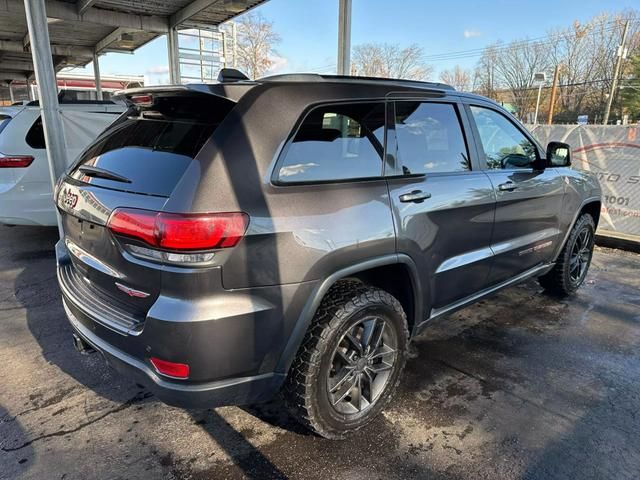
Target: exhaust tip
pixel 81 346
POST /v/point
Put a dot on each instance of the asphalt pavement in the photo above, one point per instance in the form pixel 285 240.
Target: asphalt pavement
pixel 521 385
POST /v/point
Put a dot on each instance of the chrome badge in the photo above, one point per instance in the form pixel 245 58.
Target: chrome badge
pixel 132 292
pixel 69 199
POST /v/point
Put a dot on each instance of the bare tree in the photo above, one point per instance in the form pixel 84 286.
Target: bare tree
pixel 256 42
pixel 485 82
pixel 391 61
pixel 516 65
pixel 571 50
pixel 459 78
pixel 584 52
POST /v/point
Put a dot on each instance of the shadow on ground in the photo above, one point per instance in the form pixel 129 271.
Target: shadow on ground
pixel 521 385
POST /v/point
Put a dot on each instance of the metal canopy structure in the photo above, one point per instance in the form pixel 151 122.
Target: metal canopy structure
pixel 80 29
pixel 40 37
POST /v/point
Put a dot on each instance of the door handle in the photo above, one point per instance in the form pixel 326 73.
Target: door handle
pixel 416 196
pixel 507 187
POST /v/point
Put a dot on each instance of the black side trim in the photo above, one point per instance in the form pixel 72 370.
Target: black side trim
pixel 291 349
pixel 573 222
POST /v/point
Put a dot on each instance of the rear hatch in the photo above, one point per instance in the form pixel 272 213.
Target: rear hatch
pixel 132 169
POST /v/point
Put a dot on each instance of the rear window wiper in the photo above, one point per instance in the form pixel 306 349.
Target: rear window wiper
pixel 102 173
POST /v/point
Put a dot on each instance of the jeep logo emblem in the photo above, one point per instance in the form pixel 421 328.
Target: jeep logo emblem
pixel 69 199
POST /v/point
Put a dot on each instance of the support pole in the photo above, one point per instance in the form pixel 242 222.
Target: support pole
pixel 223 36
pixel 234 34
pixel 11 97
pixel 47 90
pixel 174 62
pixel 96 75
pixel 554 91
pixel 29 91
pixel 616 74
pixel 344 37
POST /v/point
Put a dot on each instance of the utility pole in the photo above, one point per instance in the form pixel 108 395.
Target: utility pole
pixel 554 91
pixel 616 73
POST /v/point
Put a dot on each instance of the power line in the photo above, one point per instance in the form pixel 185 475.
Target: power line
pixel 613 25
pixel 563 85
pixel 504 47
pixel 461 54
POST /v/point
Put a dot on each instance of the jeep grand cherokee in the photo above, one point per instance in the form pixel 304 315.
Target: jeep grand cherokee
pixel 227 242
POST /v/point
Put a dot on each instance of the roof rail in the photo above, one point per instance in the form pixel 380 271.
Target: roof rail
pixel 315 77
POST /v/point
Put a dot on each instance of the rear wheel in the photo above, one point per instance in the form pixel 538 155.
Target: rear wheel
pixel 573 262
pixel 350 362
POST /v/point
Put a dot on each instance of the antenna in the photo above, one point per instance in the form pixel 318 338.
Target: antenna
pixel 231 75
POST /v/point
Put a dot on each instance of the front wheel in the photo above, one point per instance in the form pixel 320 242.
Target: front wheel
pixel 350 362
pixel 573 262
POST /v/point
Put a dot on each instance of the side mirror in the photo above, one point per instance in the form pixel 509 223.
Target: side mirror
pixel 558 154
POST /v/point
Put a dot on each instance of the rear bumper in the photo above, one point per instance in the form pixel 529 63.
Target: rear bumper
pixel 27 203
pixel 236 391
pixel 231 339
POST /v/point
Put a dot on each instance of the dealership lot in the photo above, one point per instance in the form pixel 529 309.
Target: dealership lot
pixel 519 386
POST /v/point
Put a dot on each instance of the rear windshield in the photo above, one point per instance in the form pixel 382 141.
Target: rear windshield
pixel 152 147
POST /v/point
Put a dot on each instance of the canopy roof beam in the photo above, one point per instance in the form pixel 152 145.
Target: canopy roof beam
pixel 8 74
pixel 83 5
pixel 20 65
pixel 110 18
pixel 15 46
pixel 110 39
pixel 189 11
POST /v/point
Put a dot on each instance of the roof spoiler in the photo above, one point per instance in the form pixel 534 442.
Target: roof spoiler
pixel 229 91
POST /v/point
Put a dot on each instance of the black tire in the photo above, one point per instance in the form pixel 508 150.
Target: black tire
pixel 349 309
pixel 564 278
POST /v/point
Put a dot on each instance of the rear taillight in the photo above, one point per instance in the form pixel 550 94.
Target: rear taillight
pixel 170 369
pixel 15 161
pixel 180 232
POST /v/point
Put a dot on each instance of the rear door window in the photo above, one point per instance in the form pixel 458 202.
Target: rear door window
pixel 430 138
pixel 153 147
pixel 336 143
pixel 35 135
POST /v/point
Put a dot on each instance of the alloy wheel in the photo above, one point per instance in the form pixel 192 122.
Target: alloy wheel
pixel 361 365
pixel 580 256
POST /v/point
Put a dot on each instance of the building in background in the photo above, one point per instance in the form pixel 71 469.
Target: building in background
pixel 75 87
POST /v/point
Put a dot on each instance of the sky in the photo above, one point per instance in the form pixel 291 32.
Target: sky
pixel 308 29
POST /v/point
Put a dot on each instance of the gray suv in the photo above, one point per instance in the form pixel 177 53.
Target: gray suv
pixel 227 242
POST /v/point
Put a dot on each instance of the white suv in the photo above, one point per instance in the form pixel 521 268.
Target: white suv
pixel 26 197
